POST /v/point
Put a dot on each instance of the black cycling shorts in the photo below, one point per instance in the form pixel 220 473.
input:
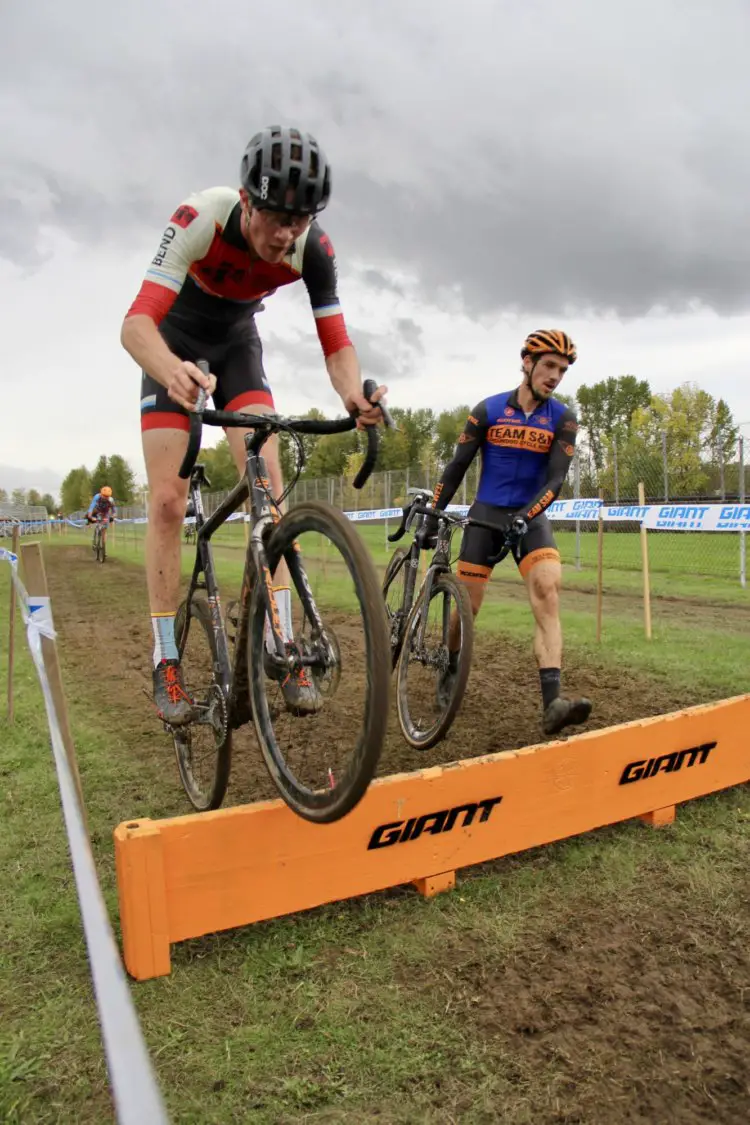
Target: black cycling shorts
pixel 237 364
pixel 479 545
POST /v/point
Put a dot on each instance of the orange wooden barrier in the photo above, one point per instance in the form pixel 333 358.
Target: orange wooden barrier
pixel 192 875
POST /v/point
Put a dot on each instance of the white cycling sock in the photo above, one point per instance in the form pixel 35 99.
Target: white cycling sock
pixel 165 645
pixel 283 596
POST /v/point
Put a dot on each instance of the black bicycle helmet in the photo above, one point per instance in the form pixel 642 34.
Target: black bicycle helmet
pixel 284 169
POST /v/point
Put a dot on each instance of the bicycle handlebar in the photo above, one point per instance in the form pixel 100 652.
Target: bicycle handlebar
pixel 512 534
pixel 420 510
pixel 241 420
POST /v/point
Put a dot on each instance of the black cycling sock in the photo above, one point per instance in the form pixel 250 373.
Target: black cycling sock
pixel 550 681
pixel 453 661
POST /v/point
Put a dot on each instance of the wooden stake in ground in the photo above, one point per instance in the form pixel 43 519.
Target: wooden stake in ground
pixel 644 558
pixel 600 573
pixel 12 632
pixel 35 580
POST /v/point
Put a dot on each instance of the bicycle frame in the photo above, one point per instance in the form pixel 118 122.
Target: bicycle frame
pixel 264 514
pixel 441 558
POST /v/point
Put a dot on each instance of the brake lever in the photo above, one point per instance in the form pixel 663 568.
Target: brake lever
pixel 196 427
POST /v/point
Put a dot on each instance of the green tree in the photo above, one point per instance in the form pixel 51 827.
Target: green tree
pixel 394 450
pixel 328 459
pixel 121 479
pixel 448 426
pixel 418 427
pixel 683 420
pixel 76 490
pixel 49 503
pixel 19 497
pixel 100 475
pixel 220 467
pixel 34 498
pixel 606 411
pixel 3 496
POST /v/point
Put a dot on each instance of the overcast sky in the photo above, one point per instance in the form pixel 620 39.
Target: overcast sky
pixel 497 167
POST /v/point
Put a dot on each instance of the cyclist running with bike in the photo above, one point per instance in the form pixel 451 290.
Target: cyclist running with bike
pixel 102 510
pixel 527 440
pixel 223 251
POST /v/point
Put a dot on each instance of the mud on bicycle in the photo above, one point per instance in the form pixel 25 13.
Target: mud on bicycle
pixel 432 664
pixel 234 668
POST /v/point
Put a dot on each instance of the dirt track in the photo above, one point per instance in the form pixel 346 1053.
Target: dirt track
pixel 638 1007
pixel 500 710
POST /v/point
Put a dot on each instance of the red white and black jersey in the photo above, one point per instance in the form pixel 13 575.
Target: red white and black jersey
pixel 204 282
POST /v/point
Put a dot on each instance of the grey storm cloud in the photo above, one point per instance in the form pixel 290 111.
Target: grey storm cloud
pixel 588 157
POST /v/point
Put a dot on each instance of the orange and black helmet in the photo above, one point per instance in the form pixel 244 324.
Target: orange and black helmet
pixel 106 490
pixel 549 340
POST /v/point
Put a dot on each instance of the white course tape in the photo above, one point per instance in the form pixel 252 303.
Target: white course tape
pixel 135 1090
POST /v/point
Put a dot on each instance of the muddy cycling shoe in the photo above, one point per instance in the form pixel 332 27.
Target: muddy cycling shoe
pixel 565 713
pixel 300 693
pixel 173 704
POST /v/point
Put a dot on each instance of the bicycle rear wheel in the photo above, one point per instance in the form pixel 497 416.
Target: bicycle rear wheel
pixel 428 702
pixel 204 746
pixel 394 582
pixel 352 687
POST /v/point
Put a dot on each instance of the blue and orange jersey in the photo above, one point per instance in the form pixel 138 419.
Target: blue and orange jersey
pixel 102 506
pixel 525 457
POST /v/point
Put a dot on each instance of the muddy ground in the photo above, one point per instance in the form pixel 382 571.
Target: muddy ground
pixel 640 1007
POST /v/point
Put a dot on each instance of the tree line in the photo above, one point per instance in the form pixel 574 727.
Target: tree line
pixel 624 429
pixel 22 498
pixel 81 484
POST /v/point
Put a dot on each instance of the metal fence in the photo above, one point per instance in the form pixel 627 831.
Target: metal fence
pixel 665 477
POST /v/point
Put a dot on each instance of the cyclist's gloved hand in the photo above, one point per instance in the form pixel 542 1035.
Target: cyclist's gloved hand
pixel 516 531
pixel 427 535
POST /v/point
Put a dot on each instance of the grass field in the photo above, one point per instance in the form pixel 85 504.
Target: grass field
pixel 602 980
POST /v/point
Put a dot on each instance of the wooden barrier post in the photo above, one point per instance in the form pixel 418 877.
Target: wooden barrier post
pixel 600 571
pixel 12 631
pixel 36 584
pixel 644 559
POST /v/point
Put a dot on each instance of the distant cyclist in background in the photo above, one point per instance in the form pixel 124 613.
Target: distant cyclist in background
pixel 102 509
pixel 527 440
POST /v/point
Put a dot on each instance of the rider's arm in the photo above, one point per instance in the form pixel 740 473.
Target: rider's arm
pixel 186 239
pixel 560 457
pixel 92 505
pixel 319 275
pixel 470 442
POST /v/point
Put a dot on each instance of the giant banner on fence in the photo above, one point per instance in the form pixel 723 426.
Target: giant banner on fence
pixel 655 517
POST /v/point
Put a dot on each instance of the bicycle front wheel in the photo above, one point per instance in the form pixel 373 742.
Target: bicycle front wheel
pixel 429 688
pixel 322 753
pixel 204 746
